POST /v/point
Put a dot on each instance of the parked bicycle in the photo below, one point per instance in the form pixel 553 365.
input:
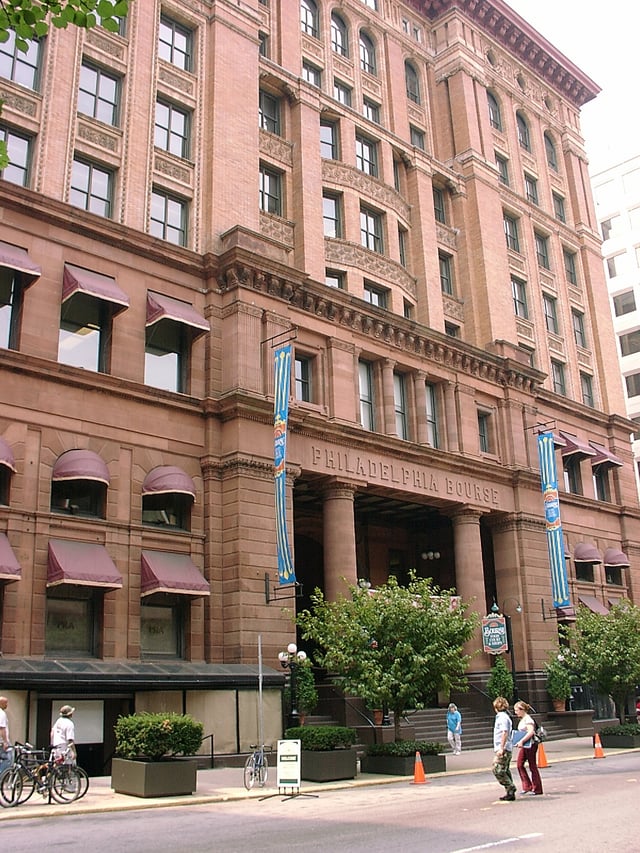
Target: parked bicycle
pixel 53 775
pixel 256 768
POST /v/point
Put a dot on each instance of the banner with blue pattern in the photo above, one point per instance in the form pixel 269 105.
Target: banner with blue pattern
pixel 282 375
pixel 555 539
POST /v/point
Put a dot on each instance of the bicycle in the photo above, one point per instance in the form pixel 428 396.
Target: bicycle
pixel 256 768
pixel 32 770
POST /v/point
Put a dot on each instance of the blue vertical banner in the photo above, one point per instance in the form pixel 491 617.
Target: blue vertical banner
pixel 551 500
pixel 282 376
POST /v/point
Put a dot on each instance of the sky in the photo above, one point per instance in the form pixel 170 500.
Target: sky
pixel 603 41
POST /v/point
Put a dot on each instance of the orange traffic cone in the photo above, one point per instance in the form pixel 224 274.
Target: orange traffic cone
pixel 598 752
pixel 541 757
pixel 418 771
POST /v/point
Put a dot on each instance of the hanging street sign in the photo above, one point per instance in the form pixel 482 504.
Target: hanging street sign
pixel 494 635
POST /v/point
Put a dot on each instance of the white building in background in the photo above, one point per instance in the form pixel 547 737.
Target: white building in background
pixel 617 197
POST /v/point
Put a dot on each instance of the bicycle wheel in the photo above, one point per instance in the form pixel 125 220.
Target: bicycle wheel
pixel 10 787
pixel 65 783
pixel 263 771
pixel 250 772
pixel 84 781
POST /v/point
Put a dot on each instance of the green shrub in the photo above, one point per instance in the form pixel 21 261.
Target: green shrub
pixel 322 738
pixel 500 682
pixel 632 729
pixel 154 735
pixel 406 748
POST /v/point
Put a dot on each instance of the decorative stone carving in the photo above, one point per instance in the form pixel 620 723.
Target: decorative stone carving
pixel 373 264
pixel 276 147
pixel 173 170
pixel 26 106
pixel 101 41
pixel 99 137
pixel 175 80
pixel 343 175
pixel 276 228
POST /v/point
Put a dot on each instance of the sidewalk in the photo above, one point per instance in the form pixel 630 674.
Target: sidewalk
pixel 226 783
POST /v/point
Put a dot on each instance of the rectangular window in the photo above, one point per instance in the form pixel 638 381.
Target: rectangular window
pixel 172 129
pixel 367 156
pixel 483 432
pixel 452 330
pixel 175 44
pixel 162 628
pixel 91 187
pixel 519 294
pixel 586 386
pixel 531 189
pixel 433 427
pixel 84 338
pixel 624 303
pixel 558 208
pixel 417 138
pixel 570 266
pixel 633 384
pixel 558 378
pixel 166 356
pixel 312 74
pixel 439 206
pixel 329 140
pixel 342 93
pixel 400 406
pixel 269 112
pixel 333 278
pixel 550 307
pixel 407 309
pixel 332 215
pixel 371 230
pixel 302 378
pixel 11 300
pixel 511 232
pixel 263 48
pixel 608 227
pixel 579 334
pixel 446 276
pixel 19 153
pixel 572 477
pixel 402 245
pixel 73 614
pixel 503 169
pixel 617 264
pixel 542 251
pixel 601 488
pixel 374 295
pixel 99 94
pixel 169 217
pixel 371 110
pixel 630 343
pixel 19 66
pixel 365 379
pixel 270 191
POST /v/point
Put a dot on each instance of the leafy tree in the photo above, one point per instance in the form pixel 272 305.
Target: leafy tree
pixel 31 19
pixel 500 682
pixel 608 651
pixel 393 646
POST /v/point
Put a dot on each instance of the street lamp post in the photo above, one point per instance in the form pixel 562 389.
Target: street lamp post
pixel 496 609
pixel 291 660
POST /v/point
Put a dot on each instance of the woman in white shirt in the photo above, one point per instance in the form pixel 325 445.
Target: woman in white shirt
pixel 527 750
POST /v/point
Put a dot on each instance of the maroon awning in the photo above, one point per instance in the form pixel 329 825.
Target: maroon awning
pixel 161 307
pixel 80 465
pixel 594 604
pixel 575 445
pixel 603 456
pixel 163 571
pixel 558 440
pixel 78 280
pixel 15 258
pixel 168 479
pixel 6 455
pixel 584 552
pixel 82 564
pixel 10 569
pixel 616 557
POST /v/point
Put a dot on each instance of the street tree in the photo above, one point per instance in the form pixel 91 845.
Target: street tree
pixel 394 646
pixel 607 647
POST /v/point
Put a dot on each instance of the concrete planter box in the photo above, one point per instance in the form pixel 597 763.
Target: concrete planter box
pixel 394 765
pixel 620 741
pixel 167 778
pixel 329 766
pixel 579 723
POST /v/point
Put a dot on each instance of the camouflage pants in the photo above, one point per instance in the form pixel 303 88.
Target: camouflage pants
pixel 502 772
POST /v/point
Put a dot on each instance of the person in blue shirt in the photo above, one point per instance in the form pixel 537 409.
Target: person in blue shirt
pixel 454 729
pixel 503 747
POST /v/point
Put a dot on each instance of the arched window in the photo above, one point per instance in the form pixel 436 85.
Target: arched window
pixel 309 18
pixel 495 119
pixel 339 35
pixel 523 132
pixel 168 494
pixel 412 83
pixel 79 484
pixel 550 149
pixel 367 54
pixel 7 468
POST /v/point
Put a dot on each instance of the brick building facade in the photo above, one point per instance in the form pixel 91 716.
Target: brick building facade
pixel 400 189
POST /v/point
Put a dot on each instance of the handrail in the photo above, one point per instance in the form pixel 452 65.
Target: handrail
pixel 210 739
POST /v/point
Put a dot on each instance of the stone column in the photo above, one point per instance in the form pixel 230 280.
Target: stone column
pixel 340 570
pixel 450 418
pixel 470 573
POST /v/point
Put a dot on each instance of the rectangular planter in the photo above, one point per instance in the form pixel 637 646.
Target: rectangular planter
pixel 394 765
pixel 329 766
pixel 168 778
pixel 620 741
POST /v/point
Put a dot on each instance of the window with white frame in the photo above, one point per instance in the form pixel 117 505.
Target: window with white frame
pixel 17 171
pixel 175 44
pixel 329 140
pixel 432 414
pixel 312 74
pixel 303 373
pixel 269 112
pixel 367 400
pixel 371 110
pixel 550 308
pixel 332 215
pixel 367 54
pixel 375 295
pixel 91 187
pixel 169 218
pixel 99 93
pixel 309 18
pixel 339 35
pixel 22 67
pixel 172 129
pixel 400 405
pixel 334 278
pixel 371 229
pixel 84 338
pixel 572 474
pixel 270 194
pixel 342 93
pixel 367 155
pixel 519 295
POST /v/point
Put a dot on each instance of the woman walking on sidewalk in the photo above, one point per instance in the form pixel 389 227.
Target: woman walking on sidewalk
pixel 527 750
pixel 454 729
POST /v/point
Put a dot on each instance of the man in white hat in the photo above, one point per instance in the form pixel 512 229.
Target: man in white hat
pixel 6 750
pixel 63 735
